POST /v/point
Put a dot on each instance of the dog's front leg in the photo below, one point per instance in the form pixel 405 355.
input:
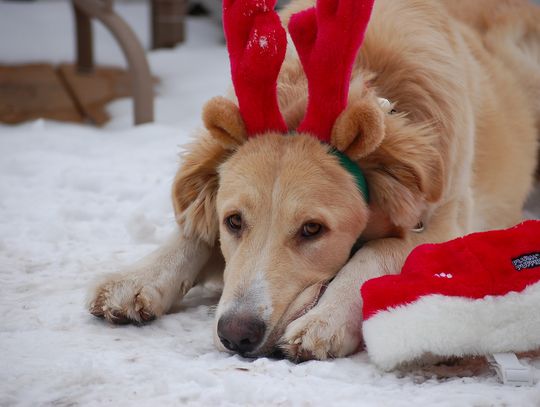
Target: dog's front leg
pixel 148 288
pixel 333 327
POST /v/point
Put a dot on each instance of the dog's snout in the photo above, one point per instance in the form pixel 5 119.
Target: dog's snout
pixel 240 334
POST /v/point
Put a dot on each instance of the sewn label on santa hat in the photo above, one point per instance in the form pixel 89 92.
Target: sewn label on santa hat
pixel 475 295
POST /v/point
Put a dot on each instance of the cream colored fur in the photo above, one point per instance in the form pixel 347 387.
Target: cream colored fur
pixel 459 156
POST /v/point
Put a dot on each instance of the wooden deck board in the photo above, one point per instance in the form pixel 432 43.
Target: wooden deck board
pixel 92 91
pixel 28 92
pixel 32 91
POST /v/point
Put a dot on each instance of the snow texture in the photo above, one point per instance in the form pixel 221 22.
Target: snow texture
pixel 77 201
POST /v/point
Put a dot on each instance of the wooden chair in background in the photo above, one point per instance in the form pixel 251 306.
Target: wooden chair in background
pixel 141 78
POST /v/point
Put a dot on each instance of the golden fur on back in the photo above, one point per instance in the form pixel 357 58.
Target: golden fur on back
pixel 458 93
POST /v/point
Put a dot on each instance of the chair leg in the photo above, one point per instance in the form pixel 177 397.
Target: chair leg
pixel 83 30
pixel 168 22
pixel 143 95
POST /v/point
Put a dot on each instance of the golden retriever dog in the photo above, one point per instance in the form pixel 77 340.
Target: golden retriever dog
pixel 277 216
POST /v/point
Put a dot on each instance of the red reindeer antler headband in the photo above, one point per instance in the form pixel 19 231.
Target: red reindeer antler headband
pixel 327 38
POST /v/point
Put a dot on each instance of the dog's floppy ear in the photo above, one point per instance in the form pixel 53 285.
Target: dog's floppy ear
pixel 406 171
pixel 359 129
pixel 195 187
pixel 223 120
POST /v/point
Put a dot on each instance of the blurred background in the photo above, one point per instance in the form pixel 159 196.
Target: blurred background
pixel 74 57
pixel 70 60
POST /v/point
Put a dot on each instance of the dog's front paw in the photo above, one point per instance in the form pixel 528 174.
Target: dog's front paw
pixel 125 300
pixel 327 331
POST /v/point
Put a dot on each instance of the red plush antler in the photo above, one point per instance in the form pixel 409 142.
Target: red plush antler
pixel 257 44
pixel 327 39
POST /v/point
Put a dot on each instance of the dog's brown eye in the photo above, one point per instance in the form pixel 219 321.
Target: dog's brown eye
pixel 311 229
pixel 234 222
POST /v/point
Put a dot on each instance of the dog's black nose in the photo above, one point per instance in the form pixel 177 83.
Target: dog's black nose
pixel 241 334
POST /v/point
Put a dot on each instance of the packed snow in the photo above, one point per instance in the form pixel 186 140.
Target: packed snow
pixel 78 201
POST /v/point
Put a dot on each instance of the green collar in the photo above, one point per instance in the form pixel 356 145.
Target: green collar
pixel 354 170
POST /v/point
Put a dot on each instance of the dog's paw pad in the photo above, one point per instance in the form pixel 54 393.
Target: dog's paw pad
pixel 122 302
pixel 318 336
pixel 143 308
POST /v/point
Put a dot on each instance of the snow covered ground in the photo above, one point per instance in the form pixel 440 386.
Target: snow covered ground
pixel 77 201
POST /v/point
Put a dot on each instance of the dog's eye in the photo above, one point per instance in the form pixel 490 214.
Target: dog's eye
pixel 234 222
pixel 311 229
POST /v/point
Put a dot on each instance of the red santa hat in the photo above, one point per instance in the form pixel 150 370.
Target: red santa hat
pixel 475 295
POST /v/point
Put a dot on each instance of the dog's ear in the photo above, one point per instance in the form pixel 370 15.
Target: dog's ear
pixel 359 129
pixel 406 171
pixel 195 188
pixel 223 120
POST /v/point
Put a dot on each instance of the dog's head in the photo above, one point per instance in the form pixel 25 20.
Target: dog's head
pixel 285 210
pixel 289 215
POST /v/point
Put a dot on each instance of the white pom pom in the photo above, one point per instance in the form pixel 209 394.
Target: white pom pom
pixel 384 104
